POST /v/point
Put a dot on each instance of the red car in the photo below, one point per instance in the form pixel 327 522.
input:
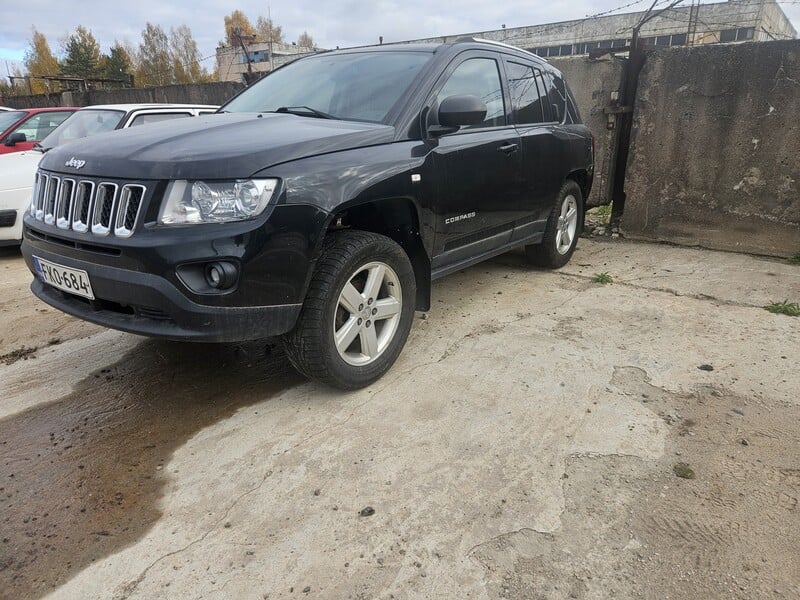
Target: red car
pixel 21 129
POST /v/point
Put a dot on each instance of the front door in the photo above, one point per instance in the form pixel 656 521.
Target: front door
pixel 479 166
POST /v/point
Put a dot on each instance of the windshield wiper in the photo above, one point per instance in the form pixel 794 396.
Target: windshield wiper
pixel 39 148
pixel 304 111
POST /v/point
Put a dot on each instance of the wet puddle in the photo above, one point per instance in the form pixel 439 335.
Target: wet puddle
pixel 80 478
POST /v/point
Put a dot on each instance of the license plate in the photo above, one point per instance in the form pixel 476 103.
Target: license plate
pixel 74 281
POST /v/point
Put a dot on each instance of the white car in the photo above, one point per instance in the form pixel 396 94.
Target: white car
pixel 18 169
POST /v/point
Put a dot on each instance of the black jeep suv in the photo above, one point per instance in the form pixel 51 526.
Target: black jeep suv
pixel 318 205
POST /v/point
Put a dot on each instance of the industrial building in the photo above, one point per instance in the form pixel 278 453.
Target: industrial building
pixel 261 57
pixel 688 24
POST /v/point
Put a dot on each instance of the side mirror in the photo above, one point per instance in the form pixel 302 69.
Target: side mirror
pixel 16 138
pixel 459 111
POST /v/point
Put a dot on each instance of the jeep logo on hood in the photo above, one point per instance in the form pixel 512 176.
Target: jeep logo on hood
pixel 74 162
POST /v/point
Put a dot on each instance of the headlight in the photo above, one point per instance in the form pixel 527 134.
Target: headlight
pixel 215 201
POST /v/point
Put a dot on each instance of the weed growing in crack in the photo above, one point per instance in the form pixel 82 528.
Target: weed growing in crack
pixel 603 278
pixel 791 309
pixel 794 259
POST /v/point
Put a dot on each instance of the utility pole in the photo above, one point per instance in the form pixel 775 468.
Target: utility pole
pixel 627 100
pixel 271 60
pixel 691 32
pixel 248 77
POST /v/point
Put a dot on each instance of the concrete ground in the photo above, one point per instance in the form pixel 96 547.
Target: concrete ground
pixel 527 444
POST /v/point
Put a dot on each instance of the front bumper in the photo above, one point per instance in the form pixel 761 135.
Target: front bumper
pixel 143 284
pixel 149 305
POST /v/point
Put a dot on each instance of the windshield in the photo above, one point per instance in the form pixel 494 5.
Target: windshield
pixel 82 124
pixel 8 118
pixel 359 86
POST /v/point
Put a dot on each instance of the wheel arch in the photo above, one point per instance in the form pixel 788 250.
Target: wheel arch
pixel 584 181
pixel 397 218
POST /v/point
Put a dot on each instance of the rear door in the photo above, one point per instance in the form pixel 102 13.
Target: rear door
pixel 535 122
pixel 479 167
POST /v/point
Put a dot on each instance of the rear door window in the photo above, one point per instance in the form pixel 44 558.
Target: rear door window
pixel 525 84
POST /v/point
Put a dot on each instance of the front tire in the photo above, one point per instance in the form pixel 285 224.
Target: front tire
pixel 562 229
pixel 358 311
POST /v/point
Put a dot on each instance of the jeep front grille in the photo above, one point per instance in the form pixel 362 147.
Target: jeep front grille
pixel 98 207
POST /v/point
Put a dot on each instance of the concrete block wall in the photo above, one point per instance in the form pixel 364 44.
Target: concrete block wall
pixel 592 83
pixel 199 93
pixel 715 155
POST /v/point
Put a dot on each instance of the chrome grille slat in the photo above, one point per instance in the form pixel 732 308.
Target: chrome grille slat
pixel 50 199
pixel 66 195
pixel 130 201
pixel 35 194
pixel 41 192
pixel 82 206
pixel 87 205
pixel 103 209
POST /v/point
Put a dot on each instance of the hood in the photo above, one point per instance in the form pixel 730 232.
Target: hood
pixel 18 169
pixel 219 146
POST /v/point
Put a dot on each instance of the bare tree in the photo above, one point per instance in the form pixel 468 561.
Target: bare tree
pixel 267 31
pixel 186 56
pixel 155 60
pixel 305 40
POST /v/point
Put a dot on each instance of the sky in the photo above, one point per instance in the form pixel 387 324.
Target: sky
pixel 331 23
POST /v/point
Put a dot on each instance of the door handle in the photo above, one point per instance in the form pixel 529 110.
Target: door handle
pixel 508 148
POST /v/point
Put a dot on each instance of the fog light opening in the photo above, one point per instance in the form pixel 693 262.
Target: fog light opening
pixel 221 275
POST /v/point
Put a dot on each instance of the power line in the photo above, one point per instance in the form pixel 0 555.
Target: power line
pixel 613 10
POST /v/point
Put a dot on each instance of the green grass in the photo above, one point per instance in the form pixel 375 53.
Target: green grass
pixel 603 212
pixel 794 259
pixel 603 278
pixel 791 309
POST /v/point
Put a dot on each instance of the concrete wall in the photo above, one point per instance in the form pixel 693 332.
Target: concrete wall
pixel 592 82
pixel 201 93
pixel 715 158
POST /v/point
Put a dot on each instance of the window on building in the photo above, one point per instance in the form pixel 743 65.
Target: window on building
pixel 259 56
pixel 745 33
pixel 663 40
pixel 618 44
pixel 678 39
pixel 566 50
pixel 647 41
pixel 605 44
pixel 478 77
pixel 525 94
pixel 727 35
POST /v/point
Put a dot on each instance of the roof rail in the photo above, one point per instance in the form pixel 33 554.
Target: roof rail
pixel 504 45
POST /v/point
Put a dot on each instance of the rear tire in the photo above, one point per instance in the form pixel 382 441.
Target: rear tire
pixel 358 311
pixel 562 229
